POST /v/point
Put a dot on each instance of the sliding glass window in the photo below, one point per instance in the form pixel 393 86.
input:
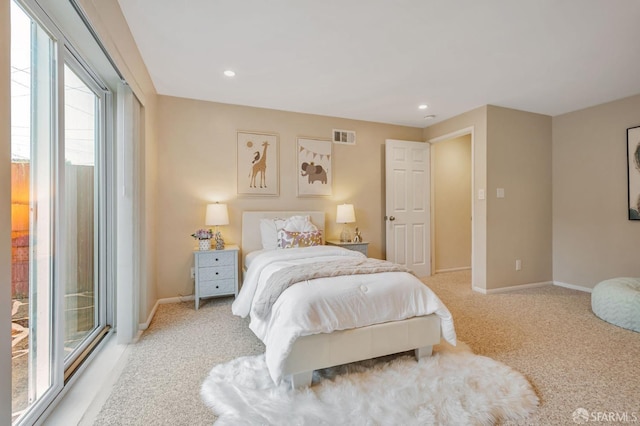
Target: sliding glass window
pixel 59 179
pixel 84 301
pixel 33 135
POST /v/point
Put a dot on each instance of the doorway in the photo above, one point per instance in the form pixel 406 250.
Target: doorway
pixel 452 202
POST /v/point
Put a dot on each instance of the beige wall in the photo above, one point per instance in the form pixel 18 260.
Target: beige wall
pixel 511 150
pixel 476 121
pixel 451 196
pixel 5 214
pixel 109 22
pixel 592 237
pixel 197 165
pixel 518 225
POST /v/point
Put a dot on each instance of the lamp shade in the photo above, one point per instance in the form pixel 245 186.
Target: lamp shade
pixel 217 214
pixel 345 214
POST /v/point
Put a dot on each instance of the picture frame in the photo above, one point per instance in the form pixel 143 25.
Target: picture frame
pixel 314 167
pixel 258 170
pixel 633 171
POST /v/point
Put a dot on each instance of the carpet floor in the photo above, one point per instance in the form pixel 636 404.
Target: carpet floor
pixel 573 359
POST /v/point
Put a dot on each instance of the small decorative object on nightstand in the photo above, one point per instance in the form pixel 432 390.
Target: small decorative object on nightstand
pixel 216 273
pixel 357 238
pixel 362 247
pixel 204 238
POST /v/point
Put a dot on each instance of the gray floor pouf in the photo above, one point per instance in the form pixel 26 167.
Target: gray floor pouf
pixel 618 301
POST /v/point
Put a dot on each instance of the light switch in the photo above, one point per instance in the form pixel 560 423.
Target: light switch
pixel 480 194
pixel 500 193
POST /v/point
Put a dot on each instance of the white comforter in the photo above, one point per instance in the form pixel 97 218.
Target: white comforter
pixel 324 305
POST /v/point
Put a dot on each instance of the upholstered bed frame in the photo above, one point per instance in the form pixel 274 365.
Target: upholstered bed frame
pixel 340 347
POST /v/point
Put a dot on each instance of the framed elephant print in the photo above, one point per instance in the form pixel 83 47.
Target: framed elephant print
pixel 257 167
pixel 314 167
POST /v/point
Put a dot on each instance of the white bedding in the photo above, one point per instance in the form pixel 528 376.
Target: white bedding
pixel 325 305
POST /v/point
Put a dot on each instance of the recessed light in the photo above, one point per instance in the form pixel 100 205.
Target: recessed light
pixel 229 73
pixel 423 106
pixel 429 117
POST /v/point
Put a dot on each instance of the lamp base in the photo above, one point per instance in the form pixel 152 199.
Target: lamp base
pixel 345 235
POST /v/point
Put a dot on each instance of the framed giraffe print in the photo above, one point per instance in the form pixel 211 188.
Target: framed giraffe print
pixel 257 164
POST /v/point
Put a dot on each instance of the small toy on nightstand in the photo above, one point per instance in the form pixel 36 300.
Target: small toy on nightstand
pixel 357 238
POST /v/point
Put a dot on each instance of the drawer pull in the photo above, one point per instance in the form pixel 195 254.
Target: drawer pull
pixel 216 273
pixel 216 259
pixel 217 286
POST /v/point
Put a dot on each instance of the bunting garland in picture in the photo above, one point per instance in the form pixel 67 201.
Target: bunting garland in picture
pixel 307 151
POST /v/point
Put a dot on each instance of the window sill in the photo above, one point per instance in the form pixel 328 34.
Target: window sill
pixel 89 388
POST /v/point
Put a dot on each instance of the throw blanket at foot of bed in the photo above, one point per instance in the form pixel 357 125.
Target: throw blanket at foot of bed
pixel 279 281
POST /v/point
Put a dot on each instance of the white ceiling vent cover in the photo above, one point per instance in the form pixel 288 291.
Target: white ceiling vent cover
pixel 345 137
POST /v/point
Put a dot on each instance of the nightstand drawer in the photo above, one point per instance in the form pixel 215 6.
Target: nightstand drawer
pixel 362 248
pixel 216 258
pixel 216 273
pixel 216 288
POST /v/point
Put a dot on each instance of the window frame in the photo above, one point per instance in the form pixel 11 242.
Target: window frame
pixel 65 53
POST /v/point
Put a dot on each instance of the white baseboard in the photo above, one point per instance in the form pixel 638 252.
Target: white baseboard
pixel 178 299
pixel 511 288
pixel 464 268
pixel 145 325
pixel 573 286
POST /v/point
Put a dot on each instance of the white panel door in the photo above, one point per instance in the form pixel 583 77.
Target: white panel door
pixel 407 217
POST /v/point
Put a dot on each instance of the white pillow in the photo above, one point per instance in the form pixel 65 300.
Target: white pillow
pixel 299 224
pixel 269 232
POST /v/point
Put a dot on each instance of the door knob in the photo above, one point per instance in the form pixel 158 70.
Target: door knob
pixel 392 218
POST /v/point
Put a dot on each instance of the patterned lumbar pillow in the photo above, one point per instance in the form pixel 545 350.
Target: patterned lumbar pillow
pixel 291 239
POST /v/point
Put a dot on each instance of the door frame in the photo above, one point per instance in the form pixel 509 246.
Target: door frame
pixel 456 134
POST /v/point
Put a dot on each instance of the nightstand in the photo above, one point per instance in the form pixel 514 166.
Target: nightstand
pixel 216 273
pixel 361 247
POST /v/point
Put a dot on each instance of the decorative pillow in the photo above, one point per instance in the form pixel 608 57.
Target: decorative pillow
pixel 269 229
pixel 299 224
pixel 291 239
pixel 269 232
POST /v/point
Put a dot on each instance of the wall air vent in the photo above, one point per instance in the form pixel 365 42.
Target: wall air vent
pixel 345 137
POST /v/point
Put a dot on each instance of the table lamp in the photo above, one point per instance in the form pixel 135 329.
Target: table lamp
pixel 345 214
pixel 217 214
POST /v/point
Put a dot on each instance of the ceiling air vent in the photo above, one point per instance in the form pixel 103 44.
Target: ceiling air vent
pixel 345 137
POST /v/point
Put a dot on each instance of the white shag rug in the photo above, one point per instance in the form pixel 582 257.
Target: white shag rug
pixel 453 386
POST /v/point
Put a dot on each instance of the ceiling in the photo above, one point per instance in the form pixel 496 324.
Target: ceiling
pixel 377 60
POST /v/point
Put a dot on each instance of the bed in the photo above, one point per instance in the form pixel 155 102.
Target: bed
pixel 297 346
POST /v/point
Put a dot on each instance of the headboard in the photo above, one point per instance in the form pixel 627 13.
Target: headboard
pixel 251 238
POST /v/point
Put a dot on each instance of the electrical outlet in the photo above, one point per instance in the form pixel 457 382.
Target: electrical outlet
pixel 518 264
pixel 193 272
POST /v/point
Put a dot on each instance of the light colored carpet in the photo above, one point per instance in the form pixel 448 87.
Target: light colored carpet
pixel 452 387
pixel 572 358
